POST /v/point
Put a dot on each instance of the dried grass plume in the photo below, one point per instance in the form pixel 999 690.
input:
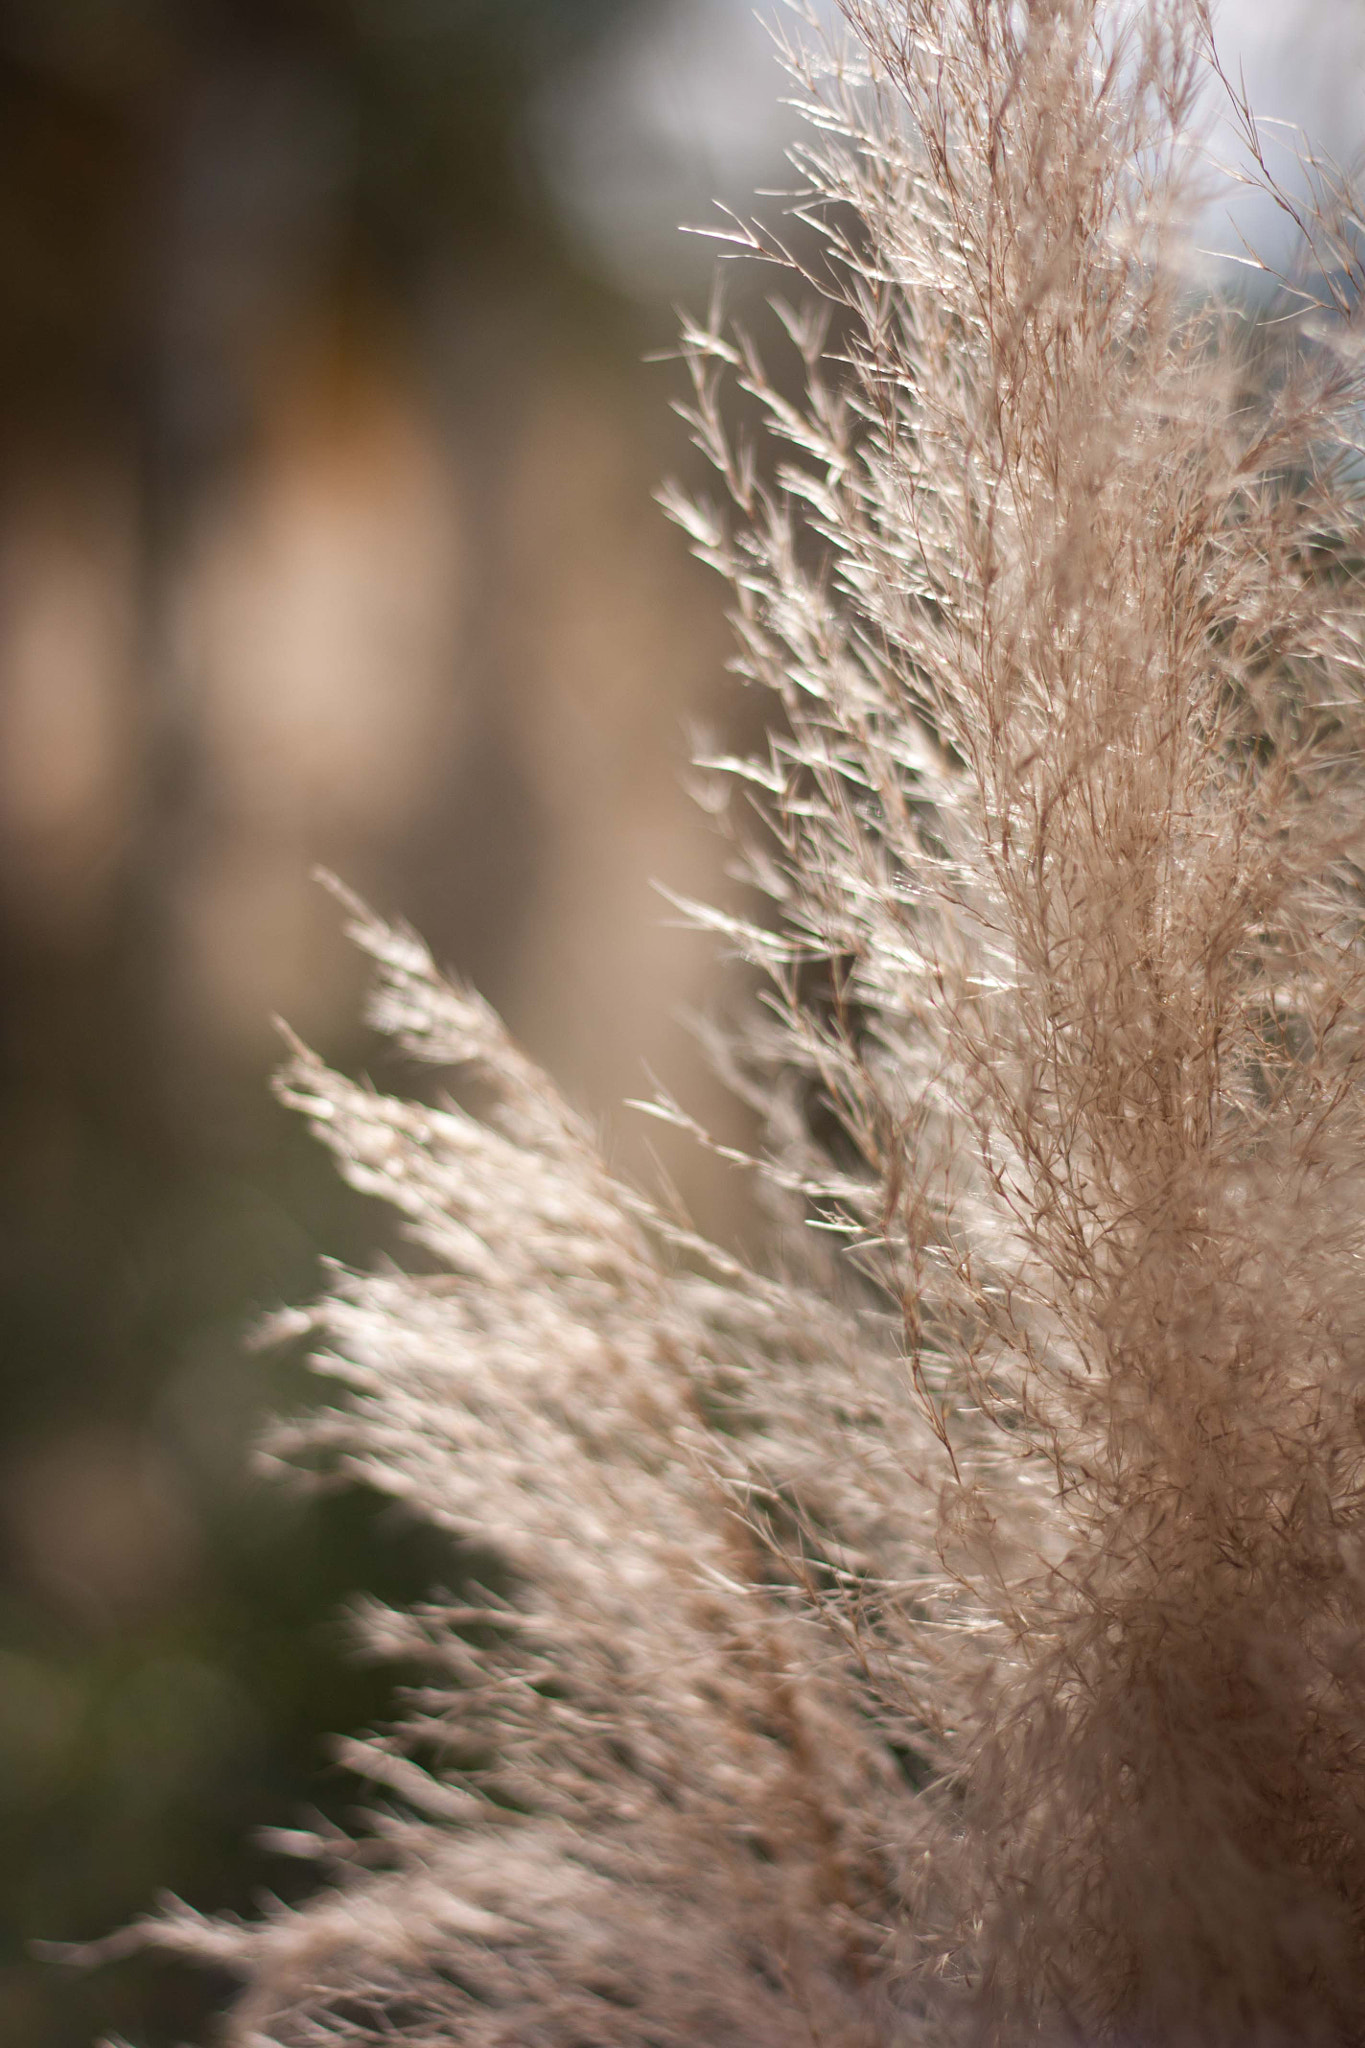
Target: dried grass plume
pixel 954 1632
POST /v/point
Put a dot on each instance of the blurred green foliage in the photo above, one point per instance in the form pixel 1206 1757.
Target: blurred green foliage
pixel 409 114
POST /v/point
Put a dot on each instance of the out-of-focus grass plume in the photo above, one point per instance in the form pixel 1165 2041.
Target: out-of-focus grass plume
pixel 325 536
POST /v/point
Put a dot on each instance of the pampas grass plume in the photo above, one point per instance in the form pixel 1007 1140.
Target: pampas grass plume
pixel 953 1631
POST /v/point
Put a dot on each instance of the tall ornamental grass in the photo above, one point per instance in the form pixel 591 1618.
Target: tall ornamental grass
pixel 951 1630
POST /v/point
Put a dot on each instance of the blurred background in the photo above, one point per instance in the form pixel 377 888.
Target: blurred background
pixel 327 444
